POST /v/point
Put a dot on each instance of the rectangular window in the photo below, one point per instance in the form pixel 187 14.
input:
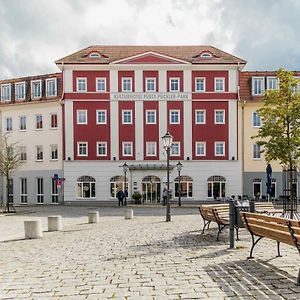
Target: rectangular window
pixel 36 89
pixel 220 84
pixel 101 84
pixel 8 124
pixel 53 121
pixel 258 86
pixel 272 83
pixel 256 151
pixel 54 192
pixel 175 150
pixel 22 123
pixel 5 92
pixel 219 117
pixel 199 84
pixel 219 148
pixel 126 116
pixel 151 148
pixel 81 85
pixel 51 87
pixel 127 149
pixel 23 154
pixel 174 117
pixel 53 152
pixel 82 148
pixel 39 153
pixel 101 116
pixel 11 190
pixel 23 190
pixel 20 91
pixel 200 116
pixel 200 149
pixel 101 148
pixel 126 84
pixel 256 121
pixel 38 122
pixel 150 84
pixel 40 190
pixel 81 116
pixel 174 84
pixel 150 116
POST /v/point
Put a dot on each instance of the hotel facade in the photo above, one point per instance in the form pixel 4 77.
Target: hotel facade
pixel 113 104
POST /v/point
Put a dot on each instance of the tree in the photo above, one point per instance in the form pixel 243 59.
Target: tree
pixel 280 130
pixel 9 161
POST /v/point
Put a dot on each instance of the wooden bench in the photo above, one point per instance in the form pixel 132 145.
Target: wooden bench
pixel 218 213
pixel 267 208
pixel 278 229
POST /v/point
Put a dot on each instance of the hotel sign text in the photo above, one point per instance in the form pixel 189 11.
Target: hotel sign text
pixel 150 96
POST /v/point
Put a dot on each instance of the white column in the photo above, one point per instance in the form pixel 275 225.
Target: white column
pixel 232 128
pixel 187 122
pixel 113 81
pixel 187 81
pixel 138 80
pixel 162 75
pixel 68 81
pixel 139 133
pixel 163 117
pixel 232 77
pixel 114 129
pixel 69 131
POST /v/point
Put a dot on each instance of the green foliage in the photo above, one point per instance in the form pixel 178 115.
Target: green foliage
pixel 280 131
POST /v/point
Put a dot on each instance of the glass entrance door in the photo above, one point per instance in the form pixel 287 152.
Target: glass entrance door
pixel 151 189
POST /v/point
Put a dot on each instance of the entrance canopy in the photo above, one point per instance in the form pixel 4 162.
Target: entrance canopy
pixel 150 167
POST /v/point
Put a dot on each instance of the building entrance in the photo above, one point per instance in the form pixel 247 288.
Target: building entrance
pixel 151 187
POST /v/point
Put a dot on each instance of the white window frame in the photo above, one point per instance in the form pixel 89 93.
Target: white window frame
pixel 270 79
pixel 204 114
pixel 22 83
pixel 148 145
pixel 262 79
pixel 23 196
pixel 7 128
pixel 98 79
pixel 97 148
pixel 23 152
pixel 36 153
pixel 77 84
pixel 254 125
pixel 196 148
pixel 33 95
pixel 220 142
pixel 253 152
pixel 170 116
pixel 215 113
pixel 36 122
pixel 215 85
pixel 146 84
pixel 78 111
pixel 48 80
pixel 125 111
pixel 7 97
pixel 170 84
pixel 51 157
pixel 130 80
pixel 40 196
pixel 50 125
pixel 54 191
pixel 105 115
pixel 86 147
pixel 171 152
pixel 20 123
pixel 151 111
pixel 204 84
pixel 123 148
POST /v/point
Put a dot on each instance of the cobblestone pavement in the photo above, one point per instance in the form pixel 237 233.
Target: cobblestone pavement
pixel 143 258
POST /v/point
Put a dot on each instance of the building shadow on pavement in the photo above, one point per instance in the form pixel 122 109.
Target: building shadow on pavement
pixel 253 278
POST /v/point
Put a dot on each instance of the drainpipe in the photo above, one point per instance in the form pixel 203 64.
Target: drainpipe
pixel 62 138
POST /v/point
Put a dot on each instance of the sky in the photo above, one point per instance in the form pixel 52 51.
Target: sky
pixel 35 33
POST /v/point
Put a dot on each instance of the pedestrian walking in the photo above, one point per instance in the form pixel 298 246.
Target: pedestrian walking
pixel 165 196
pixel 121 196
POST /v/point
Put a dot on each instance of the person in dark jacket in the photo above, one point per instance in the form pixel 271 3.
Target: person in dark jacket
pixel 120 196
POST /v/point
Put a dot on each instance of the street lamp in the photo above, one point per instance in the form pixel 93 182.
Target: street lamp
pixel 179 168
pixel 167 140
pixel 125 170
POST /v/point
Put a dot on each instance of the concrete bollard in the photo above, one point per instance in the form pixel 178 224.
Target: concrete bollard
pixel 33 229
pixel 93 216
pixel 128 214
pixel 55 223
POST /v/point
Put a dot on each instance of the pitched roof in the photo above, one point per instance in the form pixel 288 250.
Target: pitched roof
pixel 109 54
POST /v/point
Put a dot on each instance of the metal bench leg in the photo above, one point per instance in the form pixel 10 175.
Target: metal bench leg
pixel 206 223
pixel 221 227
pixel 237 233
pixel 278 250
pixel 253 245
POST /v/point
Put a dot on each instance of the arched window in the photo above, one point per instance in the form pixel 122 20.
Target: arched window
pixel 216 187
pixel 116 183
pixel 206 55
pixel 86 187
pixel 94 55
pixel 186 186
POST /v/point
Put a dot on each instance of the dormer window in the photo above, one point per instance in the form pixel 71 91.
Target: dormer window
pixel 6 92
pixel 206 55
pixel 94 55
pixel 36 89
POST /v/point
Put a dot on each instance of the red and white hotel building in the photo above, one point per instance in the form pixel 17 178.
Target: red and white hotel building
pixel 119 101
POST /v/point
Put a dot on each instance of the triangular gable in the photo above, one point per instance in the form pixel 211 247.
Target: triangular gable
pixel 150 58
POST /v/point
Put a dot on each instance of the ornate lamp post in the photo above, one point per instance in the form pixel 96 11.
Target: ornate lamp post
pixel 125 170
pixel 167 140
pixel 179 168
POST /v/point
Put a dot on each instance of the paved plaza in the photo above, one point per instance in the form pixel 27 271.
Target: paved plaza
pixel 142 258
